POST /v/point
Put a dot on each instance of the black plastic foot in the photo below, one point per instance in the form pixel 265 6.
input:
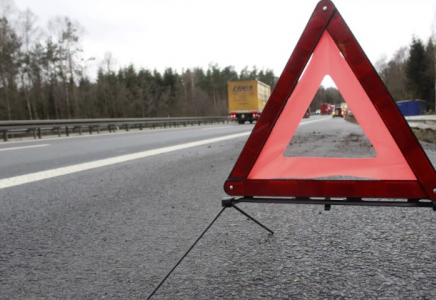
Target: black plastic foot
pixel 227 202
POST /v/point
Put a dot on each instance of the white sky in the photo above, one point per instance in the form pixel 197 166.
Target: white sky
pixel 156 34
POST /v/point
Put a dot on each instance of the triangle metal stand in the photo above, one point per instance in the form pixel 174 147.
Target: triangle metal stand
pixel 226 202
pixel 328 202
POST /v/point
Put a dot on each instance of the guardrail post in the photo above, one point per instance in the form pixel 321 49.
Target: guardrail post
pixel 90 129
pixel 34 133
pixel 127 127
pixel 39 133
pixel 140 126
pixel 59 131
pixel 66 131
pixel 98 129
pixel 5 135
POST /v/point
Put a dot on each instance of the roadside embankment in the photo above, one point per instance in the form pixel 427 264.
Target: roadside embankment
pixel 424 127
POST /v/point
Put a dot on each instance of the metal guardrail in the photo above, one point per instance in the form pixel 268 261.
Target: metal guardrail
pixel 422 122
pixel 37 128
pixel 59 127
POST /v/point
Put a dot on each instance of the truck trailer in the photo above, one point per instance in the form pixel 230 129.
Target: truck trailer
pixel 247 99
pixel 326 108
pixel 412 107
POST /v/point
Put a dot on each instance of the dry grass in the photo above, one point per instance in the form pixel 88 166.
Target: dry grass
pixel 426 135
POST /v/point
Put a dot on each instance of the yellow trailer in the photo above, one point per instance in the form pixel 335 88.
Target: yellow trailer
pixel 247 99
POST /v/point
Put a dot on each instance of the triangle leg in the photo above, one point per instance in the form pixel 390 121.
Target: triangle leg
pixel 230 202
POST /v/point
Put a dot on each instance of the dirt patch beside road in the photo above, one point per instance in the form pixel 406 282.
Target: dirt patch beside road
pixel 346 141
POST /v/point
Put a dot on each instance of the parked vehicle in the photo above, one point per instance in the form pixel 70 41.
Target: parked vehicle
pixel 344 107
pixel 326 108
pixel 338 112
pixel 317 112
pixel 247 99
pixel 412 107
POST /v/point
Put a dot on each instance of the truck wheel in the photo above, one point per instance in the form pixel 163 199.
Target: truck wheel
pixel 251 121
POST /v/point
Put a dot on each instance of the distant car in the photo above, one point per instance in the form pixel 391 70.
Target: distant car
pixel 338 112
pixel 306 114
pixel 318 112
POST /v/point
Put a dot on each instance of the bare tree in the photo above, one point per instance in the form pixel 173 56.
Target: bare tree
pixel 67 34
pixel 30 34
pixel 9 45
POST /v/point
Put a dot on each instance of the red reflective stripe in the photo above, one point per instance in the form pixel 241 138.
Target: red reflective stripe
pixel 325 188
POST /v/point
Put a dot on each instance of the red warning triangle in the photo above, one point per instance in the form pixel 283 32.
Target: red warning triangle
pixel 400 169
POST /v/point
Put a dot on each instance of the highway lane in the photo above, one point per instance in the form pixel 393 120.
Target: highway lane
pixel 35 156
pixel 70 236
pixel 27 157
pixel 114 232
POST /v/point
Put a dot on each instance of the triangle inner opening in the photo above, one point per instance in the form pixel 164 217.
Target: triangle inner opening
pixel 329 128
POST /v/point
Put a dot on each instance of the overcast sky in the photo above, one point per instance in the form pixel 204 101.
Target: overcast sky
pixel 156 34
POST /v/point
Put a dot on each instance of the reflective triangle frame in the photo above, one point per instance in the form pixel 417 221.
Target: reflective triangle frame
pixel 327 18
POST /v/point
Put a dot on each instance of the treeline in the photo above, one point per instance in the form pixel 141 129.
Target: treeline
pixel 410 74
pixel 326 95
pixel 196 92
pixel 43 75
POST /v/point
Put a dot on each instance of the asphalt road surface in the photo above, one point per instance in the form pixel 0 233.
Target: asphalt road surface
pixel 107 217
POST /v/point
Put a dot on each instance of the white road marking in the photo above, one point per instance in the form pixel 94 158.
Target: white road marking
pixel 220 127
pixel 23 179
pixel 25 147
pixel 308 122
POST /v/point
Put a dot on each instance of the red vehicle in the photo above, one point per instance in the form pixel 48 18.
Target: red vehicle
pixel 326 108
